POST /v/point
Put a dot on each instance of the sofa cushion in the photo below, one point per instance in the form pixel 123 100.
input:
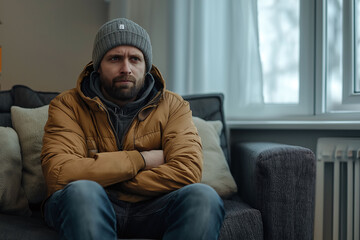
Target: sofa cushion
pixel 12 195
pixel 29 125
pixel 24 228
pixel 216 171
pixel 210 108
pixel 241 222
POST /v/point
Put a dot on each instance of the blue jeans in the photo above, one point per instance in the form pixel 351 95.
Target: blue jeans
pixel 83 210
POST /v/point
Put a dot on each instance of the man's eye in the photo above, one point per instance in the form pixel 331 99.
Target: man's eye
pixel 114 58
pixel 135 59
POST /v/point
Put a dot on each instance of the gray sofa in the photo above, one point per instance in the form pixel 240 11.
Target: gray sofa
pixel 276 183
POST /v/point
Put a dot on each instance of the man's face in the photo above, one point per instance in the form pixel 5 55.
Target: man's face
pixel 122 74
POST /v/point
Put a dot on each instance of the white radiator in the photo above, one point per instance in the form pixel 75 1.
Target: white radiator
pixel 337 206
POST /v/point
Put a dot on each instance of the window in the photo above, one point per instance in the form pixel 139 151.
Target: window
pixel 272 59
pixel 342 61
pixel 334 50
pixel 286 43
pixel 279 26
pixel 328 86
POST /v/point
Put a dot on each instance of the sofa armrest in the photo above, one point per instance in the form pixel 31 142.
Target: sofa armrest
pixel 278 180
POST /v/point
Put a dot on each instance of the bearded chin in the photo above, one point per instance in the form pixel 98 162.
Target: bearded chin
pixel 121 93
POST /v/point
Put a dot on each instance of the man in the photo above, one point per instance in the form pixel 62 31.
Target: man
pixel 121 156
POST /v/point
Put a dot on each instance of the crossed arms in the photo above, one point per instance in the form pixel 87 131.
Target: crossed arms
pixel 162 160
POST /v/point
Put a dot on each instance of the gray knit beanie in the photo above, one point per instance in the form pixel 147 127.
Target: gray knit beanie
pixel 121 31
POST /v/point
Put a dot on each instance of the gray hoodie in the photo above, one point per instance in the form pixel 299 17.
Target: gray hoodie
pixel 121 116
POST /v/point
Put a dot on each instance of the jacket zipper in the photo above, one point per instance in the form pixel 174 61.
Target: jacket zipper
pixel 118 142
pixel 151 103
pixel 136 126
pixel 112 126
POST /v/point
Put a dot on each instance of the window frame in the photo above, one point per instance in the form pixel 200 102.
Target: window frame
pixel 313 71
pixel 321 112
pixel 349 47
pixel 305 107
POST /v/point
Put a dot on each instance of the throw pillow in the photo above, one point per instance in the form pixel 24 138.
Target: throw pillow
pixel 29 125
pixel 12 195
pixel 216 172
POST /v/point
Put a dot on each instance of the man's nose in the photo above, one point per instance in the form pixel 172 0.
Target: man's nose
pixel 125 67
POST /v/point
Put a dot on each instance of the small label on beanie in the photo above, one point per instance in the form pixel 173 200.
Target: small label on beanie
pixel 121 26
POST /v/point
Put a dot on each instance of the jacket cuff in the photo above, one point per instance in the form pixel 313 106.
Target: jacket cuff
pixel 143 159
pixel 137 159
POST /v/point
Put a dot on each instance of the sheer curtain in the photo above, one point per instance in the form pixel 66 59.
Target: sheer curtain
pixel 203 46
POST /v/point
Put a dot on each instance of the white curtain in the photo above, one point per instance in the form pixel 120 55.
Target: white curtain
pixel 203 46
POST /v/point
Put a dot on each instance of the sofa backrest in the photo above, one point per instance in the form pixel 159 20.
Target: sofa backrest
pixel 206 106
pixel 210 107
pixel 21 96
pixel 6 102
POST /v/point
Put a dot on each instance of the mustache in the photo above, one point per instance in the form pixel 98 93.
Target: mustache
pixel 124 78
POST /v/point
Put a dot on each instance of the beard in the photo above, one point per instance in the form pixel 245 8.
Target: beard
pixel 123 93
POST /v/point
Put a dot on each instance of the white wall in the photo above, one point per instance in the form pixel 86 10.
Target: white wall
pixel 46 43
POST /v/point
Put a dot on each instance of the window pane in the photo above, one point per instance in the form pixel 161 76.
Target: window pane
pixel 339 52
pixel 279 50
pixel 357 45
pixel 334 55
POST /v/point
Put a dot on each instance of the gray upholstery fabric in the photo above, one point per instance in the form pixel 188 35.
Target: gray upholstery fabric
pixel 241 222
pixel 28 98
pixel 279 180
pixel 5 104
pixel 5 101
pixel 21 228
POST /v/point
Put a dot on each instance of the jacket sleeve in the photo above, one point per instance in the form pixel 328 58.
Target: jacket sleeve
pixel 65 156
pixel 183 155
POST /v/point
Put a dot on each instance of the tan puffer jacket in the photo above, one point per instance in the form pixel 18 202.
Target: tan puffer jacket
pixel 79 143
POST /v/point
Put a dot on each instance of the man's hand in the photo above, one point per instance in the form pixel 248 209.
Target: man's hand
pixel 153 158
